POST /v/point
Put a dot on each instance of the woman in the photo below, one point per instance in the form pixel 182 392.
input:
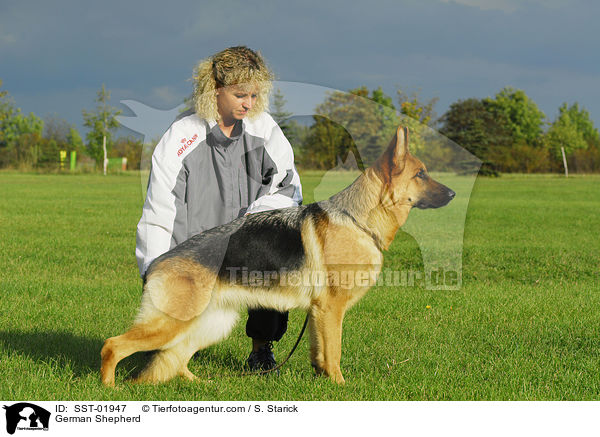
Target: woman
pixel 223 159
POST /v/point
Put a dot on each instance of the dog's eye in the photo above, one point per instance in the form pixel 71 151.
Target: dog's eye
pixel 421 174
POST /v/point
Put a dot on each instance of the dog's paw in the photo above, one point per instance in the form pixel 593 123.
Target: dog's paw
pixel 337 378
pixel 188 375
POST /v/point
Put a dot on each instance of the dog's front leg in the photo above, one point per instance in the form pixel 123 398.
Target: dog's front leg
pixel 326 316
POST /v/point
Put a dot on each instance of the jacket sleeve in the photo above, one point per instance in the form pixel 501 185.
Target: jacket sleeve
pixel 285 189
pixel 155 228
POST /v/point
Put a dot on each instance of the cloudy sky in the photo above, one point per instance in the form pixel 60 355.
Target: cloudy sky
pixel 54 56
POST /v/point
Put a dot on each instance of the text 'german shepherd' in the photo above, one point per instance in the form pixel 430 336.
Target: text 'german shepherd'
pixel 193 294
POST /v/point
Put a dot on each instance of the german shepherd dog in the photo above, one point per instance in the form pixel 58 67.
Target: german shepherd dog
pixel 193 293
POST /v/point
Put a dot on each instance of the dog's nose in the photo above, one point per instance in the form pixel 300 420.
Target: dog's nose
pixel 451 194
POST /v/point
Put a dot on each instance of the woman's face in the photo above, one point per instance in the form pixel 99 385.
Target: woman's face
pixel 234 102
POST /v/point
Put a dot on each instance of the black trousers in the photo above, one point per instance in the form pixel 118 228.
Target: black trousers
pixel 266 325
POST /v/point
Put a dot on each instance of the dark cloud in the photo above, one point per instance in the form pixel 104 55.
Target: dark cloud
pixel 54 55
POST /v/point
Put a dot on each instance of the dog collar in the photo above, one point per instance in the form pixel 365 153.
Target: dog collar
pixel 367 231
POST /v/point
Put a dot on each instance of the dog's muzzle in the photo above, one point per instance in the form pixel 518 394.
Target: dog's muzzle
pixel 436 200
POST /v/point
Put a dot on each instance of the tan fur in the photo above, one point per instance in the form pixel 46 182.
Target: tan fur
pixel 182 288
pixel 185 307
pixel 141 337
pixel 326 317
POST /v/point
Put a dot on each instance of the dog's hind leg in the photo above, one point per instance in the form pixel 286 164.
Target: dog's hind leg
pixel 174 296
pixel 146 336
pixel 168 363
pixel 165 365
pixel 326 316
pixel 211 327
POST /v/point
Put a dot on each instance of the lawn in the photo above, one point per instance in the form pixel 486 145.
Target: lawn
pixel 525 325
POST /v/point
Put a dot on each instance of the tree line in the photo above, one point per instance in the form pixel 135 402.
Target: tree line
pixel 507 133
pixel 28 142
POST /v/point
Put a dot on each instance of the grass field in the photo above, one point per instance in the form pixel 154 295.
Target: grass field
pixel 524 326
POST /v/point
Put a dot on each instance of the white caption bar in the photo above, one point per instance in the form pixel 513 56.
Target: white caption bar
pixel 300 418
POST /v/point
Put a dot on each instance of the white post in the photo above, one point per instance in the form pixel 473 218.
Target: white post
pixel 105 158
pixel 562 149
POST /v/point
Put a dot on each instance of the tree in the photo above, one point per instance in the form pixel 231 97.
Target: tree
pixel 57 129
pixel 471 124
pixel 130 148
pixel 20 124
pixel 525 119
pixel 289 126
pixel 21 136
pixel 324 143
pixel 279 113
pixel 101 122
pixel 351 122
pixel 564 132
pixel 580 117
pixel 418 116
pixel 413 107
pixel 21 142
pixel 63 134
pixel 4 101
pixel 75 141
pixel 7 111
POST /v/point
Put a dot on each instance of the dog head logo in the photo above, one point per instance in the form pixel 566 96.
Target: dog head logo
pixel 26 416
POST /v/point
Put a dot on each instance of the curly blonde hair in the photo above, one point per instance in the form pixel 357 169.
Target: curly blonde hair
pixel 239 66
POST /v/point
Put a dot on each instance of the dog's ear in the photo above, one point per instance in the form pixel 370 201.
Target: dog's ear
pixel 393 159
pixel 401 147
pixel 399 150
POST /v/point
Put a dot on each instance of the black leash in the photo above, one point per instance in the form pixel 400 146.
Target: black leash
pixel 278 366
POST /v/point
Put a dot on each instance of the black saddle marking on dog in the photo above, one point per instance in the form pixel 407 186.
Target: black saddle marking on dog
pixel 266 242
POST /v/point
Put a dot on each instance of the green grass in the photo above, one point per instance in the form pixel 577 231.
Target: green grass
pixel 524 326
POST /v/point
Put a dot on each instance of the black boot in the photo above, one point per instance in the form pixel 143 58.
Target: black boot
pixel 262 359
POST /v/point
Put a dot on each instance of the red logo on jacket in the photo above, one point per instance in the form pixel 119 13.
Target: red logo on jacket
pixel 186 143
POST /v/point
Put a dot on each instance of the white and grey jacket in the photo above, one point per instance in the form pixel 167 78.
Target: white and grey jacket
pixel 200 179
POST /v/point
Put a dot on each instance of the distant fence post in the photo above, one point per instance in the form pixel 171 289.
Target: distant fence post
pixel 63 158
pixel 73 160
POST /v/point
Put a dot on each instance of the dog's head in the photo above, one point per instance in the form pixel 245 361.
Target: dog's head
pixel 406 182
